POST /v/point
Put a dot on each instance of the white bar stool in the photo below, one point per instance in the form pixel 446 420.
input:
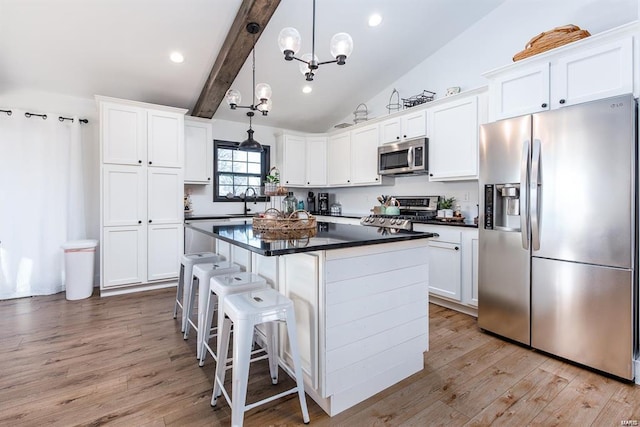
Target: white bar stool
pixel 221 287
pixel 184 280
pixel 202 273
pixel 246 310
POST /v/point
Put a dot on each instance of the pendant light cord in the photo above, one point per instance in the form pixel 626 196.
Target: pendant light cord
pixel 313 32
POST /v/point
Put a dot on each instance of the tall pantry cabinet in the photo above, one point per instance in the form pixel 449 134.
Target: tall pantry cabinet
pixel 141 197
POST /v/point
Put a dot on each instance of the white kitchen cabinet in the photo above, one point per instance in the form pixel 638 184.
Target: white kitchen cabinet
pixel 408 125
pixel 339 159
pixel 316 165
pixel 593 68
pixel 445 269
pixel 453 140
pixel 364 155
pixel 523 91
pixel 198 151
pixel 124 134
pixel 141 197
pixel 123 253
pixel 302 160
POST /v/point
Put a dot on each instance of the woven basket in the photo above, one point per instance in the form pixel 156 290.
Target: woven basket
pixel 551 39
pixel 274 220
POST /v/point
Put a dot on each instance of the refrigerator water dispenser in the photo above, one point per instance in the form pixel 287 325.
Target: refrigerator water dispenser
pixel 502 207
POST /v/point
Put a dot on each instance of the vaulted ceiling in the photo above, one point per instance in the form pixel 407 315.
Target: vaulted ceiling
pixel 121 48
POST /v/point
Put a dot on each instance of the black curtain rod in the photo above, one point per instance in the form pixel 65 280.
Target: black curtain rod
pixel 44 116
pixel 9 112
pixel 62 119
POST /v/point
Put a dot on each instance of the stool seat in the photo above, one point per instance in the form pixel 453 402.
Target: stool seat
pixel 221 287
pixel 202 274
pixel 187 261
pixel 246 310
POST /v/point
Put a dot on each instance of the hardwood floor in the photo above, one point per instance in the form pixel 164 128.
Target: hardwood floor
pixel 122 361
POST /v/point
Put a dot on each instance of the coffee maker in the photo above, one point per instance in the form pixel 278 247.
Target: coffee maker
pixel 323 203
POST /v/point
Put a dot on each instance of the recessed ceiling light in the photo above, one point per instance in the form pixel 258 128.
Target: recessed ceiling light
pixel 375 20
pixel 307 89
pixel 177 57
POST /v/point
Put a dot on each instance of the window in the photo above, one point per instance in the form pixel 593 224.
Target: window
pixel 234 171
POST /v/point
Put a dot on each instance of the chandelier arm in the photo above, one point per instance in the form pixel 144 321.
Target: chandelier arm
pixel 327 62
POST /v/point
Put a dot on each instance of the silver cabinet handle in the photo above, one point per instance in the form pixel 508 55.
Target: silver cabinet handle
pixel 525 165
pixel 534 193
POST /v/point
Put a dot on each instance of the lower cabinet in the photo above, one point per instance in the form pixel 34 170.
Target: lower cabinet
pixel 444 269
pixel 164 249
pixel 123 255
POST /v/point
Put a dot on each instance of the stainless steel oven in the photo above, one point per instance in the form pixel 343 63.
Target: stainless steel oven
pixel 409 157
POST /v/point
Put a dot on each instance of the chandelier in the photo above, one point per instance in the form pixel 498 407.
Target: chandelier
pixel 289 40
pixel 261 92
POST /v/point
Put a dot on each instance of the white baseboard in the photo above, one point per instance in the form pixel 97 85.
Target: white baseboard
pixel 139 288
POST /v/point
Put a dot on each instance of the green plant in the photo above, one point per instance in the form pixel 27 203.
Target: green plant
pixel 274 176
pixel 445 203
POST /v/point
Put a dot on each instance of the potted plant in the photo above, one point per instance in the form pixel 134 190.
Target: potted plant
pixel 445 207
pixel 272 181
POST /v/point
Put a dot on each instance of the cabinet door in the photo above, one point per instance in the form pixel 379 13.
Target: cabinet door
pixel 453 140
pixel 165 135
pixel 595 73
pixel 299 282
pixel 414 125
pixel 317 161
pixel 198 152
pixel 165 196
pixel 522 92
pixel 474 272
pixel 390 130
pixel 164 251
pixel 339 159
pixel 364 155
pixel 124 195
pixel 123 255
pixel 295 155
pixel 444 269
pixel 124 134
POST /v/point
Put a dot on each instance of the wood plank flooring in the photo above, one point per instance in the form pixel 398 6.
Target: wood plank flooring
pixel 122 361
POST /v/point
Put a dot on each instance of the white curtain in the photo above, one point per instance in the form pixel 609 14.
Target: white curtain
pixel 41 201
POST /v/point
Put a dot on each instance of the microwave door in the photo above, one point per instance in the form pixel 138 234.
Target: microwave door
pixel 395 161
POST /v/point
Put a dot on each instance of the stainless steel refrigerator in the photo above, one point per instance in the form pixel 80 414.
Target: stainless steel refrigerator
pixel 558 232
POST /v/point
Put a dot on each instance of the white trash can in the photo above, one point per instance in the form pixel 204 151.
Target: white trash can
pixel 78 265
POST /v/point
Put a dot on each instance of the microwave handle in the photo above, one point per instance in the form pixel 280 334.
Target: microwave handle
pixel 410 157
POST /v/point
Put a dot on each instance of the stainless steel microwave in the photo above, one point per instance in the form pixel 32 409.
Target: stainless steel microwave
pixel 409 157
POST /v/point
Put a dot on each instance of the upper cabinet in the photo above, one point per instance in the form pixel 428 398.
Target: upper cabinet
pixel 339 159
pixel 198 151
pixel 364 155
pixel 453 138
pixel 409 125
pixel 593 68
pixel 302 160
pixel 133 135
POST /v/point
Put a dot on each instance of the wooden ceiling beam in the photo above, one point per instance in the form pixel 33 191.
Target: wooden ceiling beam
pixel 233 54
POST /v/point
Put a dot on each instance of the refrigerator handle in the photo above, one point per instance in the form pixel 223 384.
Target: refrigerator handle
pixel 525 164
pixel 534 187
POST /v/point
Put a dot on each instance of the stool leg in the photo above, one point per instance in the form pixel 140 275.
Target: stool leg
pixel 242 338
pixel 223 350
pixel 206 325
pixel 272 349
pixel 293 342
pixel 186 291
pixel 178 292
pixel 190 303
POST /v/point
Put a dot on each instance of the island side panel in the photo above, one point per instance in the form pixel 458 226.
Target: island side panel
pixel 376 319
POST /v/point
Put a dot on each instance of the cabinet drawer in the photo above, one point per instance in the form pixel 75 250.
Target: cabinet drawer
pixel 445 233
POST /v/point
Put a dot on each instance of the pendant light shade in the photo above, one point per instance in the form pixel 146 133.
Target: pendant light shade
pixel 341 47
pixel 289 41
pixel 250 144
pixel 263 92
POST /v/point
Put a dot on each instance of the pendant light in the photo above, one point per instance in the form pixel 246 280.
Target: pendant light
pixel 289 41
pixel 261 92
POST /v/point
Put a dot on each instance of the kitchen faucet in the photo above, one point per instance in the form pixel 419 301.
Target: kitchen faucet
pixel 246 209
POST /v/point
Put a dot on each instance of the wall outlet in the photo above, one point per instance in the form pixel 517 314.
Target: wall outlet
pixel 465 197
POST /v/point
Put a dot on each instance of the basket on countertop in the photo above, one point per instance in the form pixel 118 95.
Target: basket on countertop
pixel 274 220
pixel 551 39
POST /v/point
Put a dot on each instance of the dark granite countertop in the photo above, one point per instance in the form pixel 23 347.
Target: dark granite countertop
pixel 329 236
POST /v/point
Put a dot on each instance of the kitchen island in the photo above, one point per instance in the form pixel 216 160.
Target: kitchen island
pixel 360 296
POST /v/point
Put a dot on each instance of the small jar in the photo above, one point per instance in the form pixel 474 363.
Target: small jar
pixel 289 203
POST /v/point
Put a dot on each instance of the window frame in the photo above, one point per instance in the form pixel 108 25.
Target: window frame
pixel 264 170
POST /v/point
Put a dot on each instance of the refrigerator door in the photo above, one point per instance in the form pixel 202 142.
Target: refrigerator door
pixel 583 313
pixel 584 208
pixel 504 257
